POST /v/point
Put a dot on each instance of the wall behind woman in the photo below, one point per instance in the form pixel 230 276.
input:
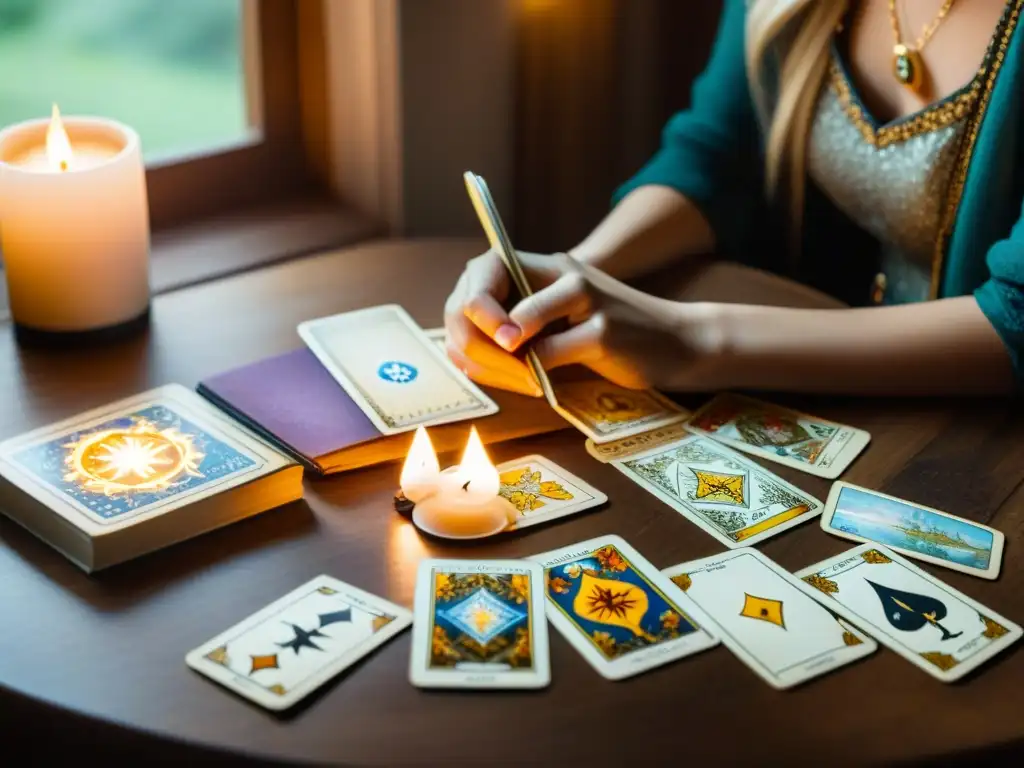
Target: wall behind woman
pixel 595 82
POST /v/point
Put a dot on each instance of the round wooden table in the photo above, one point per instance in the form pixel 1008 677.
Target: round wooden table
pixel 95 665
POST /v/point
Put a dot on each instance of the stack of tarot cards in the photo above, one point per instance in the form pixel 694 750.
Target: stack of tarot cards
pixel 119 481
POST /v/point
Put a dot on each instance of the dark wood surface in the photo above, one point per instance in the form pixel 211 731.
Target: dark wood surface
pixel 94 663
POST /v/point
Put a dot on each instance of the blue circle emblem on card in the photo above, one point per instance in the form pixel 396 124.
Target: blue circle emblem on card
pixel 396 372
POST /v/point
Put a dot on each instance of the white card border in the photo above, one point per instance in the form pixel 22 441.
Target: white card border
pixel 998 539
pixel 858 441
pixel 421 676
pixel 597 498
pixel 779 681
pixel 307 331
pixel 892 643
pixel 703 638
pixel 693 515
pixel 227 678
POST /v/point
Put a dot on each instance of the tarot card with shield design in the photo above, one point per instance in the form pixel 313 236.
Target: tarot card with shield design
pixel 812 445
pixel 719 490
pixel 619 612
pixel 479 624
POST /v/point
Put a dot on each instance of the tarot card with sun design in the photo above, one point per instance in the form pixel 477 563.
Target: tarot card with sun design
pixel 127 462
pixel 479 624
pixel 285 651
pixel 618 610
pixel 812 445
pixel 542 491
pixel 774 623
pixel 726 494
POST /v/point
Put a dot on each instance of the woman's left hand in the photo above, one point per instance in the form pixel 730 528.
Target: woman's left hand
pixel 629 337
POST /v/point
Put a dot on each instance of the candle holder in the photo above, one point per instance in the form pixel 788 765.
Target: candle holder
pixel 75 234
pixel 462 502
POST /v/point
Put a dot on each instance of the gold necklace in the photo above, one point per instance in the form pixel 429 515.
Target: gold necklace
pixel 907 64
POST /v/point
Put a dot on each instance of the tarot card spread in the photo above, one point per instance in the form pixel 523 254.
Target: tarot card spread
pixel 395 373
pixel 813 445
pixel 724 493
pixel 932 625
pixel 141 456
pixel 619 612
pixel 541 491
pixel 296 644
pixel 914 530
pixel 479 625
pixel 772 621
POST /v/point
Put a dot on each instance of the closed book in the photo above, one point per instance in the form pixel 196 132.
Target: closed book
pixel 294 402
pixel 138 475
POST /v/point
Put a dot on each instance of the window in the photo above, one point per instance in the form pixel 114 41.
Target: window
pixel 211 86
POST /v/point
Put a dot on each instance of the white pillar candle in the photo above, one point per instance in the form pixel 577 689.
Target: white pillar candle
pixel 74 223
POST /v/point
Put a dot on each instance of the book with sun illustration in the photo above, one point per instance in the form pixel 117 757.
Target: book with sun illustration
pixel 140 474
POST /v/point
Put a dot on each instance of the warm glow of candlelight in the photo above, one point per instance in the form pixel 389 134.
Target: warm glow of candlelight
pixel 58 145
pixel 477 475
pixel 421 470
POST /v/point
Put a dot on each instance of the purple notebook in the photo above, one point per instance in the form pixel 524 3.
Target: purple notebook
pixel 294 402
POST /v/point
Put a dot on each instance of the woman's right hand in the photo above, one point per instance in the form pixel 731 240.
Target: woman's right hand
pixel 474 319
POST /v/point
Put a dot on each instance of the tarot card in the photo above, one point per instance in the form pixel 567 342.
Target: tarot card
pixel 719 490
pixel 437 335
pixel 604 411
pixel 816 446
pixel 281 654
pixel 542 491
pixel 932 625
pixel 624 447
pixel 393 371
pixel 860 514
pixel 619 612
pixel 479 624
pixel 136 458
pixel 775 624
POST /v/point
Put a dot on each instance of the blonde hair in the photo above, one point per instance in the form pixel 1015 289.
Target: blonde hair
pixel 786 108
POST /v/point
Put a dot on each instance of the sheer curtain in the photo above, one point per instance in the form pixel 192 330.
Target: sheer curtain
pixel 595 82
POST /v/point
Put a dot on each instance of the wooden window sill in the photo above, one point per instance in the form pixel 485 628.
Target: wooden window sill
pixel 245 240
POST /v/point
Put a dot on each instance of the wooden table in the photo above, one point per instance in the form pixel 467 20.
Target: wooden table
pixel 96 664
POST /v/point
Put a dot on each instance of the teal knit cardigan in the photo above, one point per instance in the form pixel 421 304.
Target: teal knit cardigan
pixel 713 153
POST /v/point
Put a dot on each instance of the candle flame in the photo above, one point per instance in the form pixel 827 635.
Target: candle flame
pixel 58 145
pixel 421 463
pixel 476 470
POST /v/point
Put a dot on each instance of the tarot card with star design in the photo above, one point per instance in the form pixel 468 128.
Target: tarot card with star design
pixel 479 624
pixel 392 370
pixel 618 611
pixel 542 491
pixel 812 445
pixel 775 624
pixel 726 494
pixel 281 654
pixel 927 622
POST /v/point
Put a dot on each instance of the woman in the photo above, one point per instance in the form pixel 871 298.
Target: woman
pixel 874 149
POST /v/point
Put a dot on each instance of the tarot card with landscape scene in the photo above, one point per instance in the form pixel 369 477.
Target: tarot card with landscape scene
pixel 719 490
pixel 479 624
pixel 860 514
pixel 807 443
pixel 618 611
pixel 927 622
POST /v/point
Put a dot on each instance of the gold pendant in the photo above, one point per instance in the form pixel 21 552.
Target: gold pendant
pixel 908 67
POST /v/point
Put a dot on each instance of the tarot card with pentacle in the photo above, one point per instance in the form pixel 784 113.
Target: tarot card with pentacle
pixel 721 491
pixel 807 443
pixel 622 615
pixel 147 454
pixel 283 652
pixel 932 625
pixel 479 624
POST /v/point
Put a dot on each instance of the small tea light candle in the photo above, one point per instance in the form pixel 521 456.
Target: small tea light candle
pixel 74 224
pixel 462 502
